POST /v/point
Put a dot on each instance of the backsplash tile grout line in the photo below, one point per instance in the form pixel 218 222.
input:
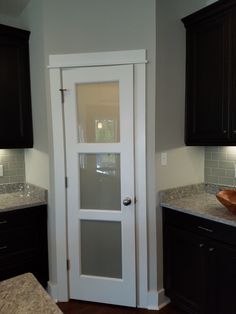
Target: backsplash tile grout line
pixel 13 161
pixel 219 165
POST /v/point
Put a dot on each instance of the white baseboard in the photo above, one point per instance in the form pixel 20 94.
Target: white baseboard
pixel 163 300
pixel 52 290
pixel 152 300
pixel 157 300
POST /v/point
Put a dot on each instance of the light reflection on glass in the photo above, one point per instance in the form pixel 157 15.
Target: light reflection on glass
pixel 99 125
pixel 231 149
pixel 98 112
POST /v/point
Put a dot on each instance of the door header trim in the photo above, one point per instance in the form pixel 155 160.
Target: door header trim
pixel 97 59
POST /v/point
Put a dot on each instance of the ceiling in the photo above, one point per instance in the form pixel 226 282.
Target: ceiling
pixel 12 7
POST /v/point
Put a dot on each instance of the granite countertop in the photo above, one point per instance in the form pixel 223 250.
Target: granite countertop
pixel 24 295
pixel 198 200
pixel 21 195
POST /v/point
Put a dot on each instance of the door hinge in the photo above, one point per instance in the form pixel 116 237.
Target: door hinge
pixel 66 182
pixel 62 90
pixel 68 264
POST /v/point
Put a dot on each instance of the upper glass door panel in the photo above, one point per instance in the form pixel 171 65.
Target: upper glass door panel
pixel 98 112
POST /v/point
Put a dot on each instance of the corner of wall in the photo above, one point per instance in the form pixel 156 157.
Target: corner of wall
pixel 157 300
pixel 37 168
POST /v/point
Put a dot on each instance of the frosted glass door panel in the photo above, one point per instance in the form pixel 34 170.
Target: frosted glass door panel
pixel 101 249
pixel 100 181
pixel 98 115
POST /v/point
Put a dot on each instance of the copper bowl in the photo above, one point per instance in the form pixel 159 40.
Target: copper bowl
pixel 228 199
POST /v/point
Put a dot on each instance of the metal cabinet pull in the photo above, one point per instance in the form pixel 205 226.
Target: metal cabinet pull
pixel 211 249
pixel 201 245
pixel 4 247
pixel 205 229
pixel 3 222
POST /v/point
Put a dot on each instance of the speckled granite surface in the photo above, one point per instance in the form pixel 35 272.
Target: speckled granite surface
pixel 24 295
pixel 180 192
pixel 198 202
pixel 21 195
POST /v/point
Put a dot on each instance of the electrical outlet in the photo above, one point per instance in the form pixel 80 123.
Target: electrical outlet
pixel 1 170
pixel 163 159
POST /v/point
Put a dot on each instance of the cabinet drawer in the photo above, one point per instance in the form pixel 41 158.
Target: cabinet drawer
pixel 19 240
pixel 201 226
pixel 22 217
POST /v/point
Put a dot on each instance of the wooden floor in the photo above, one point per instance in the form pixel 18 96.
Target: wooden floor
pixel 79 307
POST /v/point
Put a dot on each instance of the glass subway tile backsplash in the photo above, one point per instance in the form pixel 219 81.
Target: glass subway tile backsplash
pixel 13 161
pixel 220 165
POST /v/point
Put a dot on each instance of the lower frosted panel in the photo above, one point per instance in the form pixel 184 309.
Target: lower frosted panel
pixel 101 253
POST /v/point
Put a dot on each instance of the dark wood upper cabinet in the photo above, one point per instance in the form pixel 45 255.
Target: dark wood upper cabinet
pixel 210 115
pixel 15 98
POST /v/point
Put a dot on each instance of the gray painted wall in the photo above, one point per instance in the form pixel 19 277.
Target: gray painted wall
pixel 9 20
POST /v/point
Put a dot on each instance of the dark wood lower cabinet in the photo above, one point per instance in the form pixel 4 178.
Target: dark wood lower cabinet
pixel 23 243
pixel 222 277
pixel 182 254
pixel 199 269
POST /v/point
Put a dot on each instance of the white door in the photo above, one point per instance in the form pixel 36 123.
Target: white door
pixel 100 168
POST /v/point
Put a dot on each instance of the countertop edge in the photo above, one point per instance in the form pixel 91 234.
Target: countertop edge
pixel 21 206
pixel 198 200
pixel 21 195
pixel 199 214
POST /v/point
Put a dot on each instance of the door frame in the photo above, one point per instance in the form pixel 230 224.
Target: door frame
pixel 57 63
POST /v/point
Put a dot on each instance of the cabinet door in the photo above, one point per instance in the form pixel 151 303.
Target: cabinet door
pixel 233 75
pixel 23 243
pixel 207 82
pixel 184 269
pixel 15 99
pixel 221 270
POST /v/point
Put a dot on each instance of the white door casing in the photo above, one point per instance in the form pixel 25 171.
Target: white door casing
pixel 57 64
